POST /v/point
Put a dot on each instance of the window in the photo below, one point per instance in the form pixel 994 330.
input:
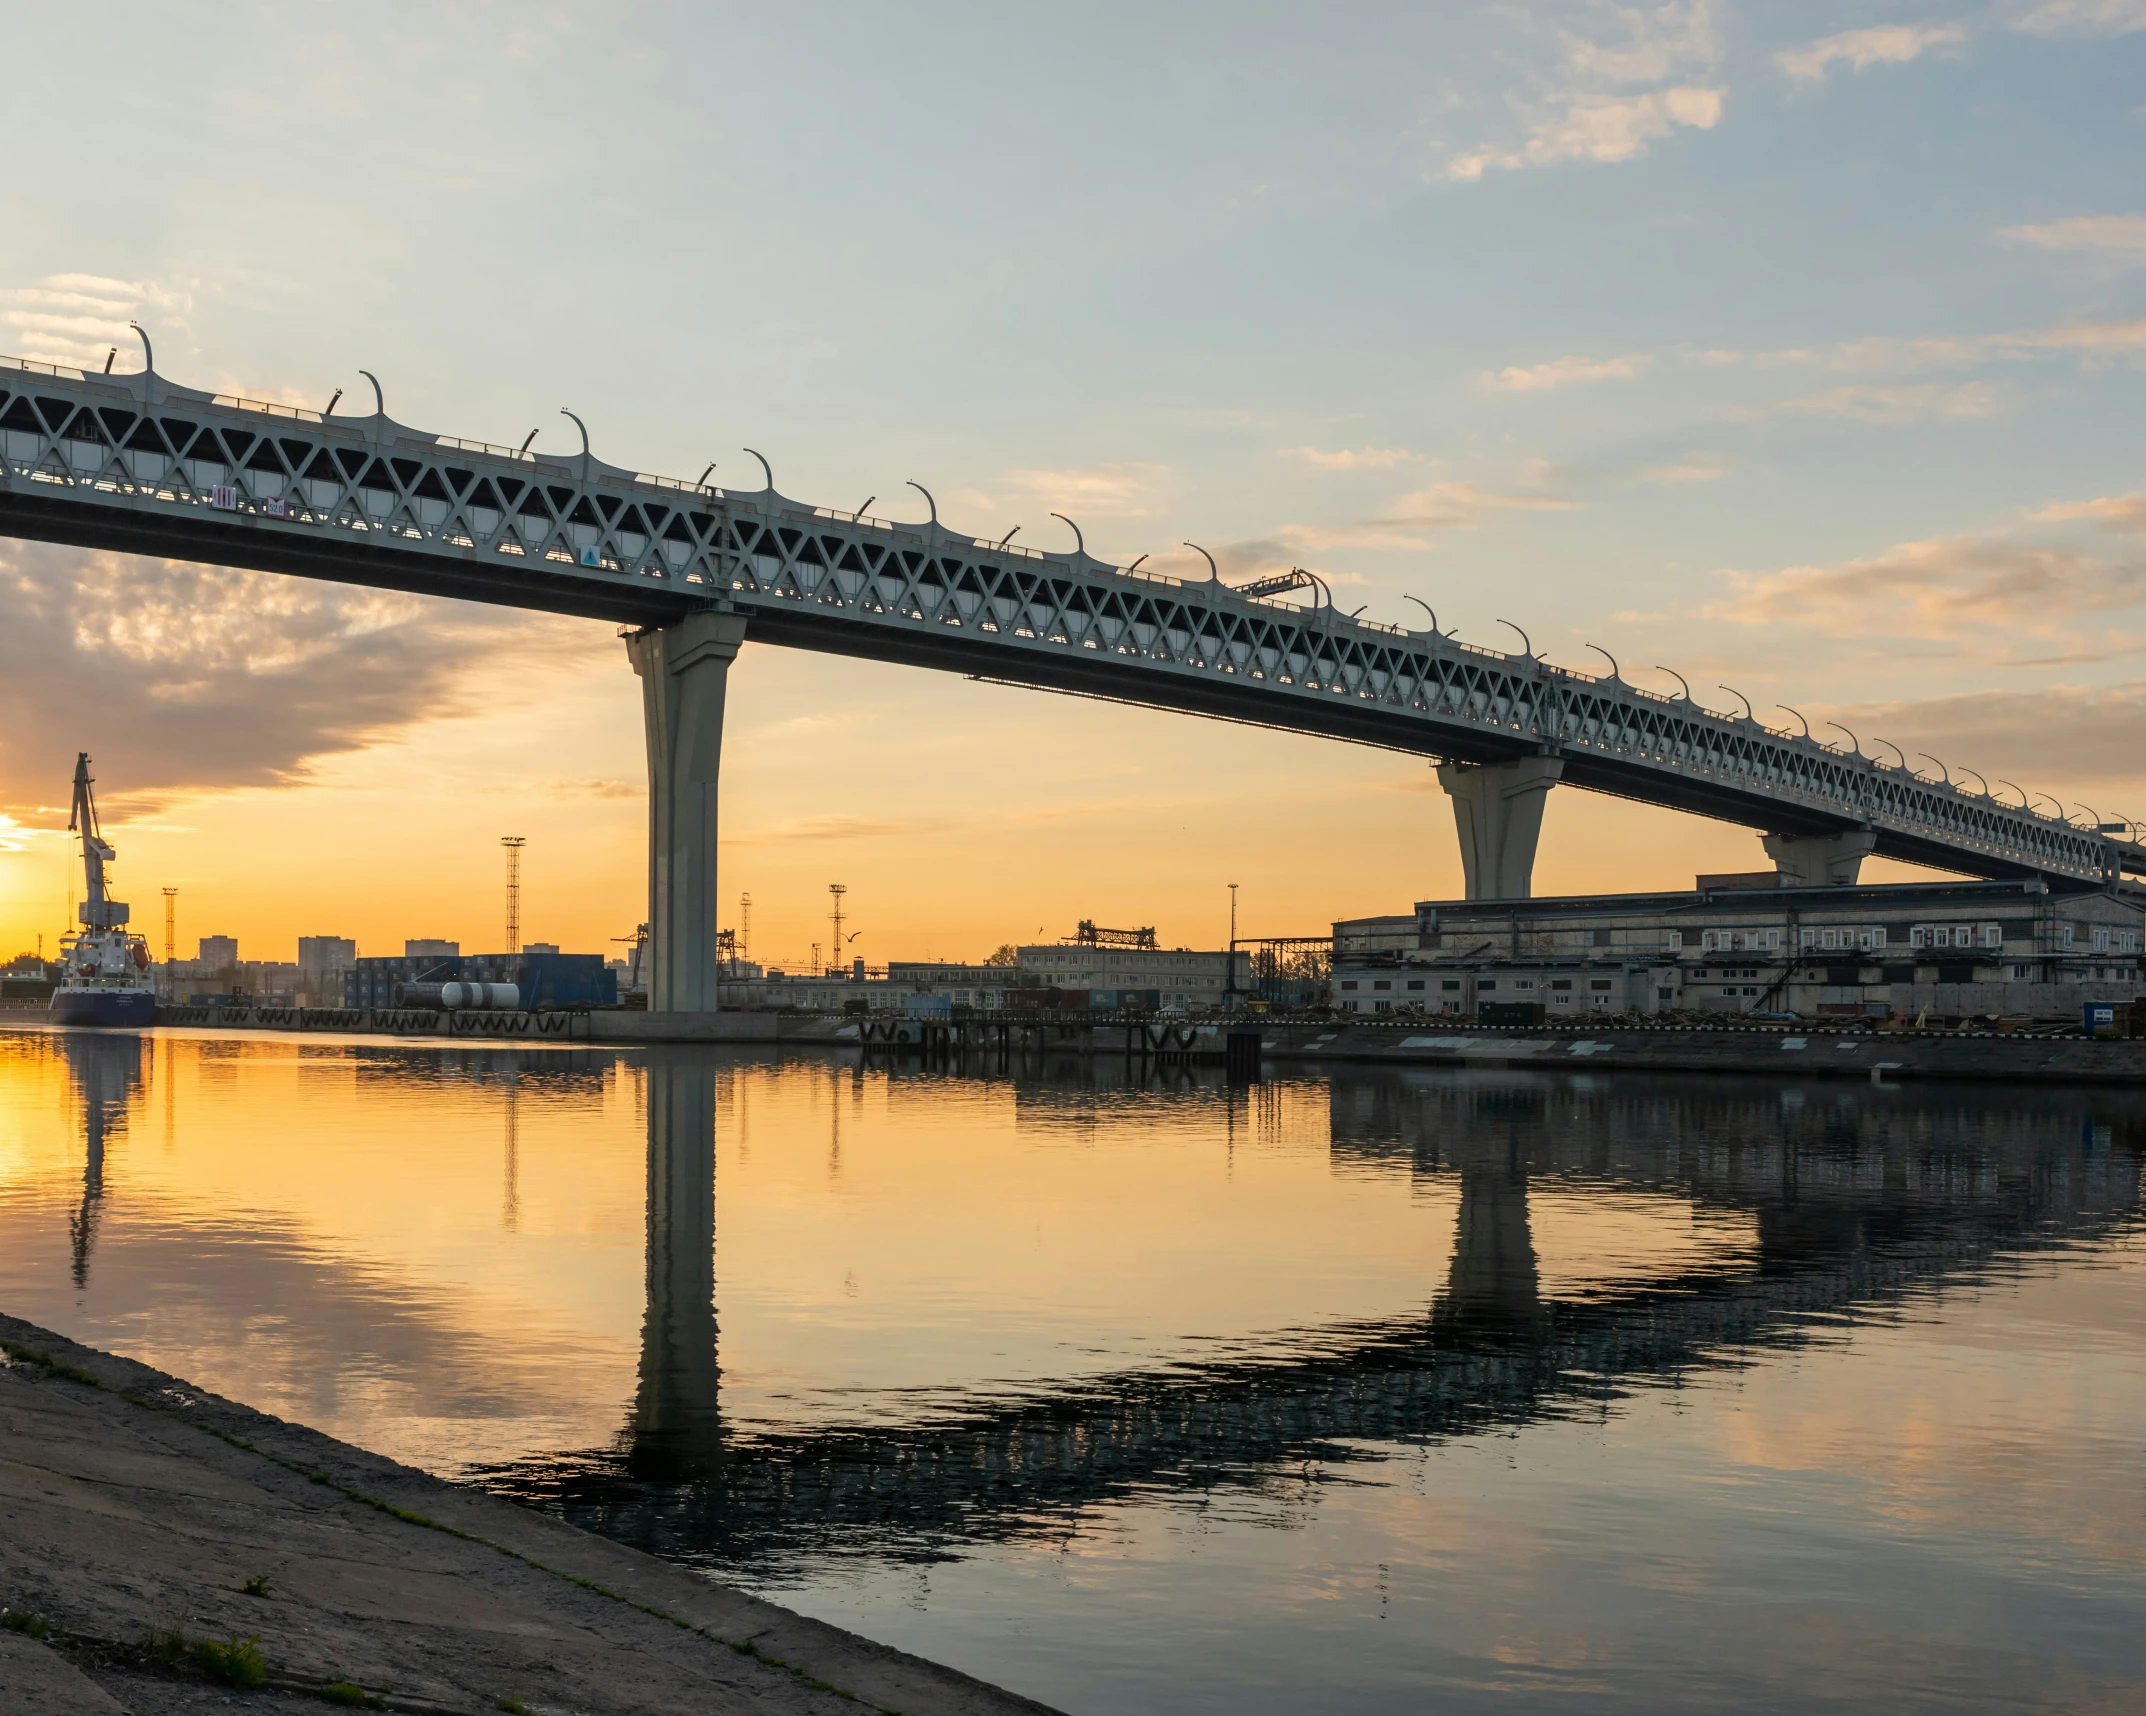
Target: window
pixel 1488 983
pixel 1383 983
pixel 1709 940
pixel 1449 984
pixel 1523 983
pixel 1750 991
pixel 1415 983
pixel 1600 983
pixel 1675 941
pixel 2101 938
pixel 1729 989
pixel 2064 936
pixel 1561 983
pixel 1349 983
pixel 1993 935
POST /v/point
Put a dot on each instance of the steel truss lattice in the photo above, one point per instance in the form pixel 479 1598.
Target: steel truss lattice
pixel 138 464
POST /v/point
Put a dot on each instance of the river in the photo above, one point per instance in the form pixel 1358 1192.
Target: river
pixel 1371 1390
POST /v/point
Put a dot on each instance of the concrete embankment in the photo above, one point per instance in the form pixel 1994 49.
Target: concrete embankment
pixel 609 1026
pixel 1774 1049
pixel 142 1519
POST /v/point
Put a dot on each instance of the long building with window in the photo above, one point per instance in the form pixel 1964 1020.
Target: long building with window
pixel 1742 944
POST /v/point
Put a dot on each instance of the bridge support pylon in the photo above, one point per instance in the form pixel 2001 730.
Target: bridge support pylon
pixel 685 671
pixel 1497 811
pixel 1819 860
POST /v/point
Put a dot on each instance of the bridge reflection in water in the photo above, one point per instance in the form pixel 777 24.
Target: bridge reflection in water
pixel 1859 1201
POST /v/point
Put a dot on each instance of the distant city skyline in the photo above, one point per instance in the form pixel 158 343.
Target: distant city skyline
pixel 1797 348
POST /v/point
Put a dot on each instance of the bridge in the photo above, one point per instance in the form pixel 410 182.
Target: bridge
pixel 136 464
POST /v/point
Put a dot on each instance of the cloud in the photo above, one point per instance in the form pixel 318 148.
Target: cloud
pixel 1946 588
pixel 1562 372
pixel 1901 404
pixel 595 789
pixel 1124 489
pixel 2115 238
pixel 1464 506
pixel 2115 512
pixel 2058 737
pixel 1692 471
pixel 1603 128
pixel 76 319
pixel 1643 74
pixel 2080 17
pixel 1351 459
pixel 822 828
pixel 182 678
pixel 1885 44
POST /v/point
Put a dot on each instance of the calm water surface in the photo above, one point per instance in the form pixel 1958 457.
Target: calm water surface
pixel 1376 1391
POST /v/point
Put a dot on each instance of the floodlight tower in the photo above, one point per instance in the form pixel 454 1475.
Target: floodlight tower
pixel 745 926
pixel 835 891
pixel 171 922
pixel 514 844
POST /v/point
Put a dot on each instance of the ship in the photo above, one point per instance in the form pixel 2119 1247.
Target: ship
pixel 104 968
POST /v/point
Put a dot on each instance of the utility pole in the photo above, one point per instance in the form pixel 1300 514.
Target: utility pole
pixel 1229 968
pixel 514 844
pixel 745 926
pixel 836 890
pixel 171 909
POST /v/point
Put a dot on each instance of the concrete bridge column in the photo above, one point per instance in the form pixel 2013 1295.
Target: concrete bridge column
pixel 1497 810
pixel 1819 860
pixel 684 669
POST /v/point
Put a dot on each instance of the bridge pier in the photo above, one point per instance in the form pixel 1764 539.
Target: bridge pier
pixel 1497 811
pixel 685 670
pixel 1819 860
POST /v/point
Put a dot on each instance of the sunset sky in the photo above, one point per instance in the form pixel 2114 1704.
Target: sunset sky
pixel 1800 347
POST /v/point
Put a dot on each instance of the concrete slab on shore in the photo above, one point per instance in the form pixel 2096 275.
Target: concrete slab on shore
pixel 133 1504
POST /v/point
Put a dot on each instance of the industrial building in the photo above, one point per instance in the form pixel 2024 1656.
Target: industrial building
pixel 1091 969
pixel 1106 966
pixel 2040 948
pixel 544 978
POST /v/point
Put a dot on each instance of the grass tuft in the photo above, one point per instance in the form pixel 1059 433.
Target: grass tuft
pixel 234 1661
pixel 167 1649
pixel 348 1692
pixel 25 1621
pixel 257 1586
pixel 512 1706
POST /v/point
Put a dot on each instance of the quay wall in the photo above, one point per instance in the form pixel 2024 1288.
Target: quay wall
pixel 1776 1050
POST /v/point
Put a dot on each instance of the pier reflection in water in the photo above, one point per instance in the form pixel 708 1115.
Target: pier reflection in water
pixel 1345 1392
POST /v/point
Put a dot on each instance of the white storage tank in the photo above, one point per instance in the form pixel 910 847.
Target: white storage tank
pixel 500 997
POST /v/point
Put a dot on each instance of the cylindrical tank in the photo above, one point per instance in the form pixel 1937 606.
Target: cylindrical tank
pixel 502 996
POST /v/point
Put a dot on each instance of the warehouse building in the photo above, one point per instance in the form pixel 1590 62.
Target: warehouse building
pixel 544 977
pixel 2039 948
